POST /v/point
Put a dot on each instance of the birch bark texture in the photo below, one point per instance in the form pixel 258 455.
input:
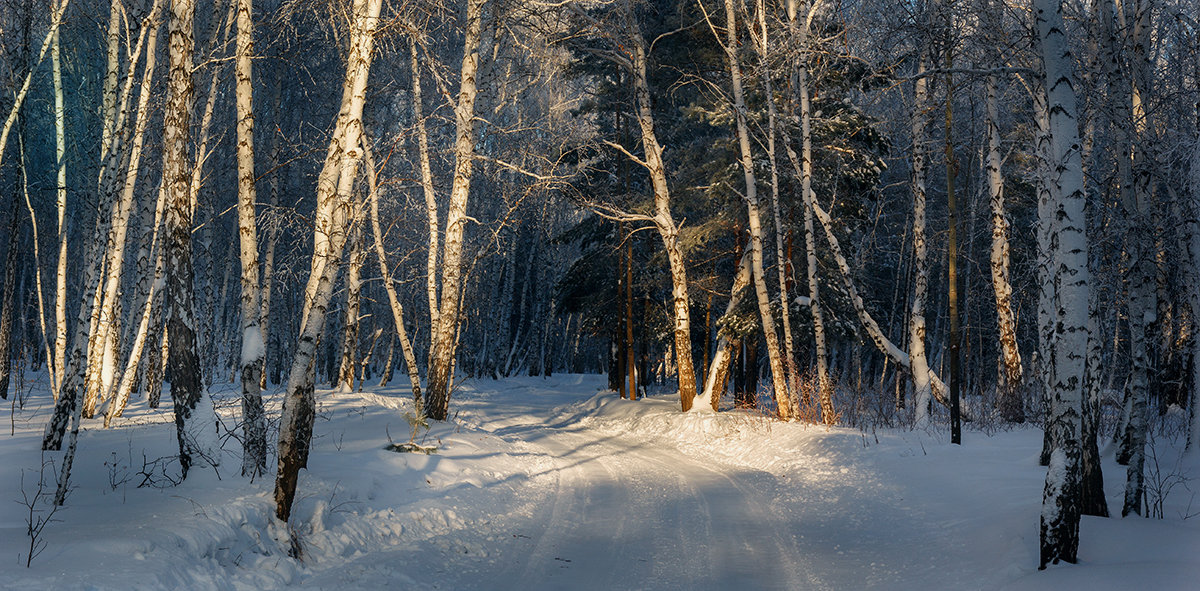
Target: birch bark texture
pixel 1059 520
pixel 441 363
pixel 195 419
pixel 254 424
pixel 663 220
pixel 335 184
pixel 800 30
pixel 919 363
pixel 1009 374
pixel 774 355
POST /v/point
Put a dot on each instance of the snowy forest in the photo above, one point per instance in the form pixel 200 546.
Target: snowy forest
pixel 603 294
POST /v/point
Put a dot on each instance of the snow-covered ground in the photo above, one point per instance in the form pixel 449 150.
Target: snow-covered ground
pixel 552 484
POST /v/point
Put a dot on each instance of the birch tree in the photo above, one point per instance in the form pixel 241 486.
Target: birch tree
pixel 1059 527
pixel 631 55
pixel 783 265
pixel 445 336
pixel 410 358
pixel 800 31
pixel 350 334
pixel 1142 271
pixel 774 355
pixel 254 427
pixel 195 419
pixel 1009 376
pixel 334 188
pixel 919 363
pixel 60 273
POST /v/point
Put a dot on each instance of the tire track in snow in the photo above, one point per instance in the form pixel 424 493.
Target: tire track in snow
pixel 698 527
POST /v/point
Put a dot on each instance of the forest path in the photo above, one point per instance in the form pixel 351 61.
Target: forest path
pixel 631 509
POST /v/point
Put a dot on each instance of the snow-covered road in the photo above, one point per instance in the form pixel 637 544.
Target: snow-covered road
pixel 544 484
pixel 623 505
pixel 626 513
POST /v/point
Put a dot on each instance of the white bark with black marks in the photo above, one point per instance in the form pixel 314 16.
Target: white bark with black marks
pixel 254 425
pixel 1059 531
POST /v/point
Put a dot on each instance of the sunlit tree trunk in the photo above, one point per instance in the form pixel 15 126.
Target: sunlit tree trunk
pixel 334 201
pixel 104 326
pixel 431 206
pixel 437 396
pixel 410 358
pixel 774 355
pixel 69 406
pixel 254 426
pixel 153 285
pixel 110 313
pixel 60 284
pixel 718 370
pixel 783 264
pixel 195 419
pixel 37 271
pixel 1009 376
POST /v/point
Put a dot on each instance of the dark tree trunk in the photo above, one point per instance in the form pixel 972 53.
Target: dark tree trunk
pixel 6 300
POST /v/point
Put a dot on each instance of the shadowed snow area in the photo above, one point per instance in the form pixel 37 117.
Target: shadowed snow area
pixel 552 484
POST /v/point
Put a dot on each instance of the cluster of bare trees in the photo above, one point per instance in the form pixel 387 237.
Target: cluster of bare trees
pixel 503 159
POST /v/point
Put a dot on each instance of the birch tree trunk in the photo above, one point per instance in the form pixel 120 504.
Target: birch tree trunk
pixel 410 358
pixel 60 285
pixel 718 370
pixel 106 313
pixel 663 220
pixel 431 206
pixel 1046 238
pixel 800 30
pixel 1142 268
pixel 351 330
pixel 922 389
pixel 774 356
pixel 885 345
pixel 273 231
pixel 1092 499
pixel 55 20
pixel 783 264
pixel 153 286
pixel 37 271
pixel 333 200
pixel 1009 376
pixel 1059 527
pixel 108 331
pixel 437 396
pixel 69 406
pixel 824 384
pixel 195 420
pixel 254 425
